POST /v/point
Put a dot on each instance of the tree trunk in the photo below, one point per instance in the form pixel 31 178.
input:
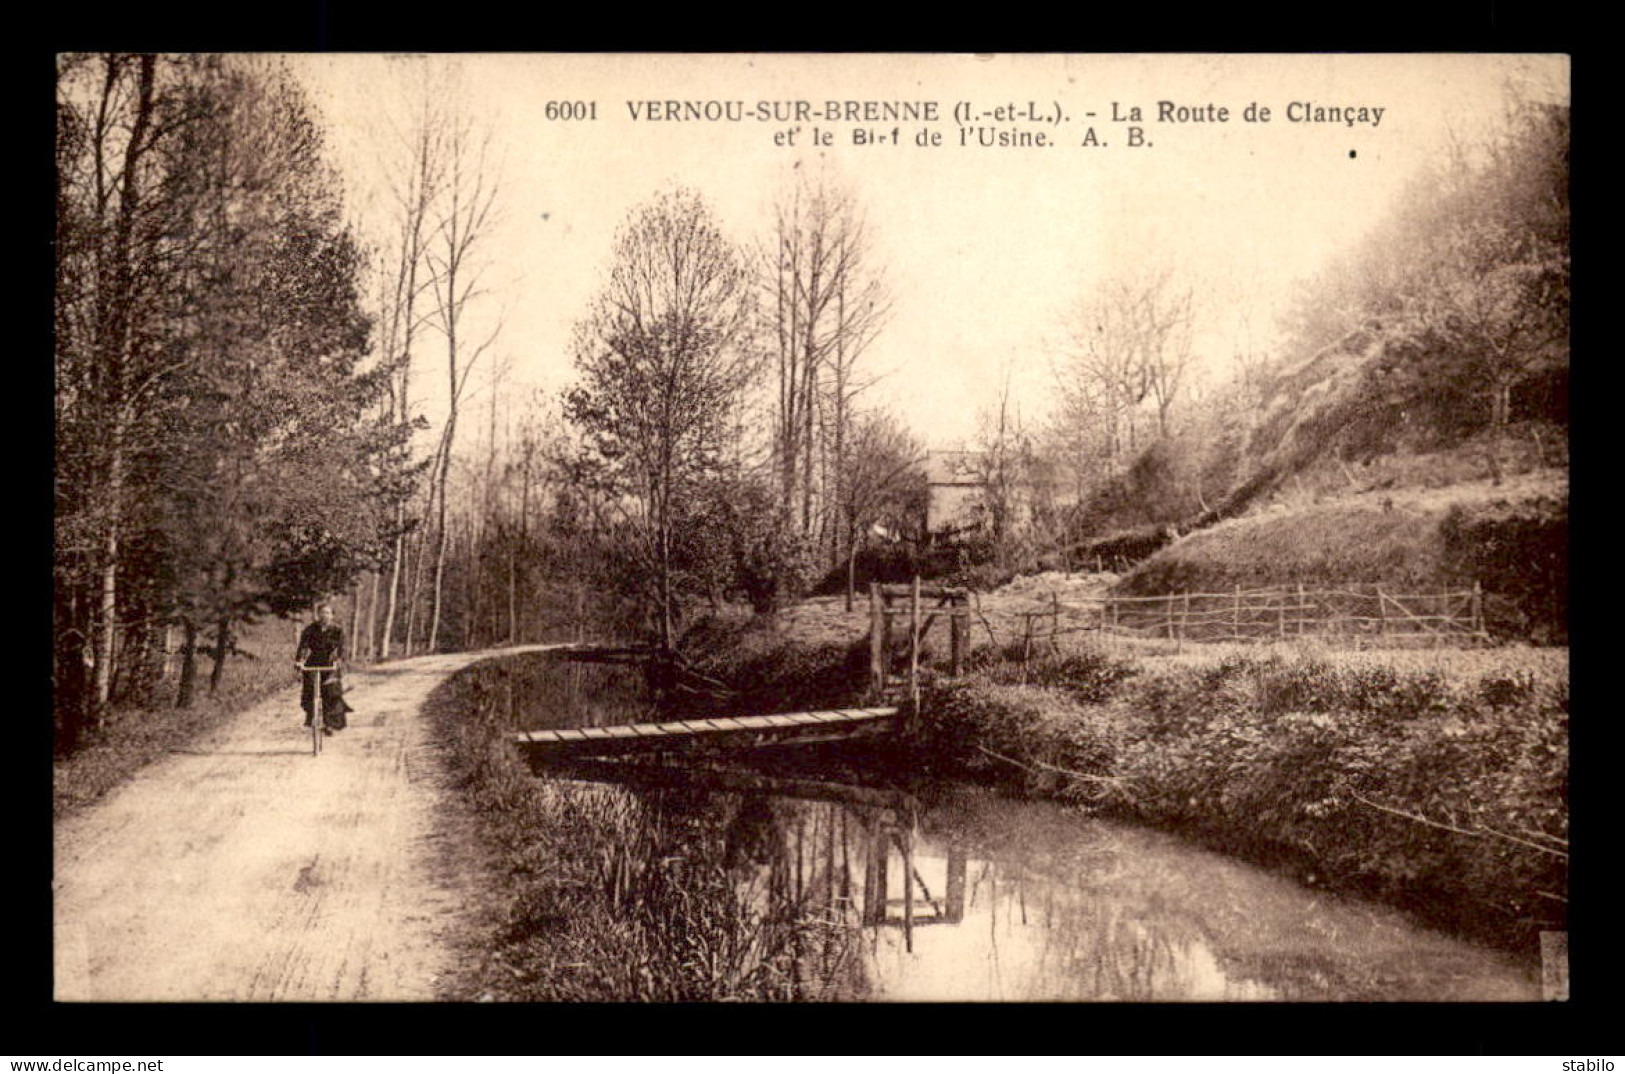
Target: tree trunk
pixel 394 586
pixel 370 627
pixel 1500 418
pixel 440 543
pixel 414 591
pixel 188 681
pixel 222 646
pixel 852 564
pixel 106 637
pixel 355 617
pixel 116 330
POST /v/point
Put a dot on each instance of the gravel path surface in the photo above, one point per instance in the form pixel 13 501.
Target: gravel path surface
pixel 244 868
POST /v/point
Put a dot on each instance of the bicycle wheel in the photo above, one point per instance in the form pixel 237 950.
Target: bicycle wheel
pixel 318 719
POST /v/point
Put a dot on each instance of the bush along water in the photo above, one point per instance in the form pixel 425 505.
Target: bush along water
pixel 1445 794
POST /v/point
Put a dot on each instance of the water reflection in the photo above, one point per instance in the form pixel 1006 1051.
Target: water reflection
pixel 822 880
pixel 969 897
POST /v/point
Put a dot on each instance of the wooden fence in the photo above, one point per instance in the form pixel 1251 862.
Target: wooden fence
pixel 1364 616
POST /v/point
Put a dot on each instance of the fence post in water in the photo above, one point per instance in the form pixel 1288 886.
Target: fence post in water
pixel 874 872
pixel 955 896
pixel 908 879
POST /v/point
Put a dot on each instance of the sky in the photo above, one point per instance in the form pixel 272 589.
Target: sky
pixel 987 251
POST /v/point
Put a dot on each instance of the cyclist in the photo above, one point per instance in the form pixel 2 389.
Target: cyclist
pixel 321 644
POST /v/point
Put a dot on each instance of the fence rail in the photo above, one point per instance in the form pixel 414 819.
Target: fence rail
pixel 1360 615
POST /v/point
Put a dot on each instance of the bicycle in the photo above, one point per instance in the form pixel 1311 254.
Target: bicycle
pixel 318 718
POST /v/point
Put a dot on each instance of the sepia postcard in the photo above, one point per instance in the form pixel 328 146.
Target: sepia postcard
pixel 665 528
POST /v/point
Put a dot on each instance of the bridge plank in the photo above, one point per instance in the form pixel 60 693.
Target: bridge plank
pixel 709 727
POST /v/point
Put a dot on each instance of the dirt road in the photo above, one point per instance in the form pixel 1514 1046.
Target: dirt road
pixel 246 869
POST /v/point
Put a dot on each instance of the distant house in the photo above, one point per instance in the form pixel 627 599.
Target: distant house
pixel 952 504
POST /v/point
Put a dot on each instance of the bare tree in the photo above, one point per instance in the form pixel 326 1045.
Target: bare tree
pixel 451 255
pixel 1131 341
pixel 1000 465
pixel 828 302
pixel 1163 312
pixel 414 188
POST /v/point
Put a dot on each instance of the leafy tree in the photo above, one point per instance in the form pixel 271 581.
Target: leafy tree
pixel 663 358
pixel 272 456
pixel 212 413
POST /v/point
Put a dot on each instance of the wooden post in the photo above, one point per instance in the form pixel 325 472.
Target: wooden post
pixel 877 633
pixel 1235 616
pixel 908 878
pixel 1054 622
pixel 955 896
pixel 1478 612
pixel 1303 609
pixel 874 872
pixel 1382 614
pixel 958 621
pixel 914 655
pixel 1026 644
pixel 1184 618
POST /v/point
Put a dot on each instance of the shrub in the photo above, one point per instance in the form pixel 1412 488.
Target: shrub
pixel 1518 552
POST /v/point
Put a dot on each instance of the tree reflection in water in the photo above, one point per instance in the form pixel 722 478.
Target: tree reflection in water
pixel 755 895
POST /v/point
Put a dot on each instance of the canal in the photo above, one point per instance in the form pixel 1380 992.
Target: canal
pixel 822 875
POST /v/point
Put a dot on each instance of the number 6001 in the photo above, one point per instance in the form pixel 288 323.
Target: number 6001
pixel 571 110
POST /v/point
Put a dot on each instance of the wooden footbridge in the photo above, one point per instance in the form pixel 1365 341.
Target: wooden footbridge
pixel 732 731
pixel 889 715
